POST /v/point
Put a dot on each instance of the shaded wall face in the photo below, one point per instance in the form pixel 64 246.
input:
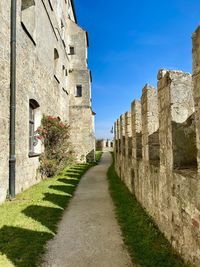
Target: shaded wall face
pixel 128 151
pixel 150 125
pixel 184 140
pixel 196 84
pixel 136 127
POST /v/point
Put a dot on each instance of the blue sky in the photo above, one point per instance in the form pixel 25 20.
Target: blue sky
pixel 129 42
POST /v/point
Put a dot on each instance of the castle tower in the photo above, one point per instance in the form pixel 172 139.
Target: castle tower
pixel 81 116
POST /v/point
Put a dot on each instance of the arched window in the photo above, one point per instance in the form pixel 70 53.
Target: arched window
pixel 34 122
pixel 28 17
pixel 56 62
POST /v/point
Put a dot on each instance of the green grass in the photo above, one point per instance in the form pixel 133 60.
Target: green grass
pixel 98 155
pixel 28 222
pixel 146 244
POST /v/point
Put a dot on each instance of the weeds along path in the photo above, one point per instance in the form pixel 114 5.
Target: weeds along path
pixel 89 234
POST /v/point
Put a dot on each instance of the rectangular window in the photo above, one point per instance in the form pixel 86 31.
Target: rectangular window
pixel 79 90
pixel 71 50
pixel 31 129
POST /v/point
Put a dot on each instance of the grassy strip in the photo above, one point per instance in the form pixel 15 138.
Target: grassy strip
pixel 27 223
pixel 146 244
pixel 98 156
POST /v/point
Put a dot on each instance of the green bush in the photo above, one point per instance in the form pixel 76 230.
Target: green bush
pixel 58 152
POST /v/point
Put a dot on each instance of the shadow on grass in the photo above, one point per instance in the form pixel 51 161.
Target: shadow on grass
pixel 77 169
pixel 66 181
pixel 15 242
pixel 68 188
pixel 24 247
pixel 146 244
pixel 59 200
pixel 47 216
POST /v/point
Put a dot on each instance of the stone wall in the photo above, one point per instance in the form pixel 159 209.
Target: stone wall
pixel 80 108
pixel 45 31
pixel 162 170
pixel 104 145
pixel 4 95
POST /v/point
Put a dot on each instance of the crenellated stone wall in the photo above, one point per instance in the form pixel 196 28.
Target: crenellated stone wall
pixel 163 168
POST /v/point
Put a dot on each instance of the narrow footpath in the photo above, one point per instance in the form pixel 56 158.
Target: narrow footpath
pixel 89 235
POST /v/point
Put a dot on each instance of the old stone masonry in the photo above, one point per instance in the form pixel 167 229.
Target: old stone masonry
pixel 157 152
pixel 52 78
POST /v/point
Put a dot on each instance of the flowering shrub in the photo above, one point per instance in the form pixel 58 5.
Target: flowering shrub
pixel 54 134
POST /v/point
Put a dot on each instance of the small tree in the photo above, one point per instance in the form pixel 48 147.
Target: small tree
pixel 58 153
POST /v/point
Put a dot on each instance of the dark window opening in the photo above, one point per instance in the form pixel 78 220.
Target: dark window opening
pixel 33 105
pixel 56 62
pixel 71 50
pixel 79 91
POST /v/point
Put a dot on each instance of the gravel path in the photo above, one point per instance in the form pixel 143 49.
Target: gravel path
pixel 89 235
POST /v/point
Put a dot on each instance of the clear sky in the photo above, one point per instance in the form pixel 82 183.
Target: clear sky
pixel 130 41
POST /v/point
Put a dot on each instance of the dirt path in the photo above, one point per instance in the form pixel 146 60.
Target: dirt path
pixel 88 235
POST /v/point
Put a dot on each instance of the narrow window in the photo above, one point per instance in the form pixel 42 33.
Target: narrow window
pixel 79 90
pixel 71 50
pixel 56 63
pixel 62 30
pixel 31 128
pixel 33 105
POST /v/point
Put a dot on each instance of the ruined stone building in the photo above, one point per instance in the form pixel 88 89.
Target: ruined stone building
pixel 52 78
pixel 157 154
